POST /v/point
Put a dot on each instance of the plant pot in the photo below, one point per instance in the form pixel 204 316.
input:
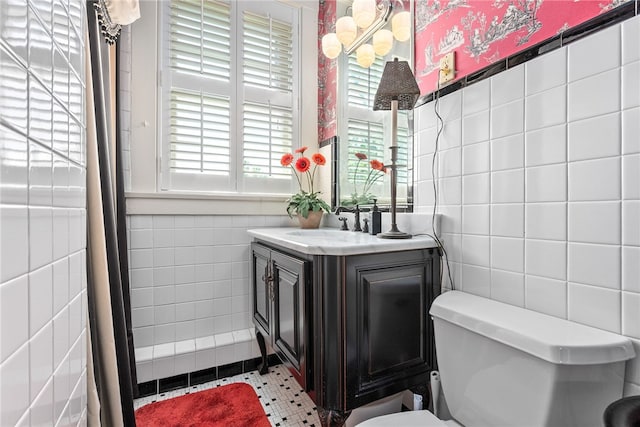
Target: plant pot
pixel 312 221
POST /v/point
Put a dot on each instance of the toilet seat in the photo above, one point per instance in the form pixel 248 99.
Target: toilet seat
pixel 407 419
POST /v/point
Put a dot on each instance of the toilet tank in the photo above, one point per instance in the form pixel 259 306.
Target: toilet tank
pixel 502 365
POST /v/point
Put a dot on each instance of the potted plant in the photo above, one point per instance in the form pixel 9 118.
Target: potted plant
pixel 307 205
pixel 377 170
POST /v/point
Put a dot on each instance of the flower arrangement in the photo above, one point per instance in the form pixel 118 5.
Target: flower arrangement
pixel 303 201
pixel 377 170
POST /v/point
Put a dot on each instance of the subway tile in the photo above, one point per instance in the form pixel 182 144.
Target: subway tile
pixel 546 183
pixel 631 314
pixel 162 238
pixel 544 109
pixel 476 189
pixel 594 96
pixel 631 85
pixel 451 220
pixel 507 86
pixel 476 250
pixel 475 219
pixel 164 333
pixel 631 223
pixel 185 255
pixel 140 221
pixel 450 191
pixel 476 97
pixel 60 336
pixel 546 71
pixel 507 186
pixel 163 222
pixel 142 297
pixel 14 315
pixel 60 284
pixel 451 106
pixel 507 254
pixel 164 367
pixel 507 287
pixel 630 37
pixel 141 258
pixel 475 158
pixel 185 311
pixel 547 221
pixel 594 306
pixel 163 276
pixel 631 268
pixel 424 166
pixel 186 330
pixel 60 232
pixel 507 119
pixel 597 265
pixel 142 317
pixel 604 45
pixel 143 337
pixel 163 257
pixel 595 137
pixel 14 245
pixel 40 237
pixel 631 177
pixel 164 314
pixel 476 280
pixel 547 296
pixel 450 163
pixel 141 239
pixel 507 220
pixel 546 146
pixel 13 86
pixel 595 222
pixel 546 258
pixel 40 298
pixel 507 153
pixel 594 180
pixel 40 412
pixel 14 186
pixel 631 131
pixel 163 295
pixel 475 127
pixel 453 245
pixel 14 393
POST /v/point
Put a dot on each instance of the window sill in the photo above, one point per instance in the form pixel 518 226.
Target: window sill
pixel 176 203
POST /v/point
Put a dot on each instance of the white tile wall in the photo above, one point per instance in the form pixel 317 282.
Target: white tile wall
pixel 190 284
pixel 42 214
pixel 557 142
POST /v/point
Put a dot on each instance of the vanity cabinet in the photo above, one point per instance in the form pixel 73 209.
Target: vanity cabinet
pixel 281 288
pixel 351 328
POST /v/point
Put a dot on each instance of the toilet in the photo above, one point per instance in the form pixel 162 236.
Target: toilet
pixel 502 365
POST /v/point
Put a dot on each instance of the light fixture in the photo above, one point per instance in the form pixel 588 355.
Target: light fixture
pixel 346 30
pixel 364 12
pixel 365 55
pixel 398 90
pixel 331 46
pixel 371 16
pixel 401 26
pixel 382 42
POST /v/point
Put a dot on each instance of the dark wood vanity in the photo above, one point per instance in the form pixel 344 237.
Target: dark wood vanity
pixel 352 329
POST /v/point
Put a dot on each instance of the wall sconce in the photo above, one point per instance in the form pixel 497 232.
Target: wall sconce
pixel 370 17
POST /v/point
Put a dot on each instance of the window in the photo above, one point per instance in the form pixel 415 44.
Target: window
pixel 369 132
pixel 229 95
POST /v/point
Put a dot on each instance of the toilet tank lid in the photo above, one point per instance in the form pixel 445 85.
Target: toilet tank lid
pixel 550 338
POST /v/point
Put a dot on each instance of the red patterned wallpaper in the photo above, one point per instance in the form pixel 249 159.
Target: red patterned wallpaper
pixel 484 31
pixel 327 74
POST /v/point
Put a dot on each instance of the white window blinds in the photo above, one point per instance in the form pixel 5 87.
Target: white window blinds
pixel 230 95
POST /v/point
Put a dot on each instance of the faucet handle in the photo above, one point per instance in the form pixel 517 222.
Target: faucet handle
pixel 344 223
pixel 365 227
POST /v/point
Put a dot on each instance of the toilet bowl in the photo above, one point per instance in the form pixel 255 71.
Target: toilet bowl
pixel 502 365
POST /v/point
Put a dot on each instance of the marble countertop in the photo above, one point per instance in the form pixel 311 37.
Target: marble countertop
pixel 329 241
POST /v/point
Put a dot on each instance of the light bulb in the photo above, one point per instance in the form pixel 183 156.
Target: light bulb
pixel 331 46
pixel 382 42
pixel 401 26
pixel 346 30
pixel 365 55
pixel 363 12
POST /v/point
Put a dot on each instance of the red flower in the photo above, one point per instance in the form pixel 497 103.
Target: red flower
pixel 303 164
pixel 286 159
pixel 301 150
pixel 318 159
pixel 377 165
pixel 361 156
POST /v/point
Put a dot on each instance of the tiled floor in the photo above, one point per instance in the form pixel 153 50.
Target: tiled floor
pixel 284 402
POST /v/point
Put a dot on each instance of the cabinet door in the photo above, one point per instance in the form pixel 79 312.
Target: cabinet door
pixel 260 270
pixel 288 329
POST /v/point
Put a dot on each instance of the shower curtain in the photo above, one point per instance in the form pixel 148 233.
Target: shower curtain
pixel 110 358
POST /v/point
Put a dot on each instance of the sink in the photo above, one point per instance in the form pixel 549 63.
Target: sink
pixel 330 241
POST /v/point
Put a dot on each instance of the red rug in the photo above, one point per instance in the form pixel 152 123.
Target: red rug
pixel 234 405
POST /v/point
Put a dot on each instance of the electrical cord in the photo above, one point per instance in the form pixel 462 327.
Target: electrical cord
pixel 439 129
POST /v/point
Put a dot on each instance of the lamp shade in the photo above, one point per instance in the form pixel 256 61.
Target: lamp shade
pixel 365 55
pixel 401 26
pixel 331 46
pixel 363 12
pixel 397 82
pixel 346 30
pixel 382 42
